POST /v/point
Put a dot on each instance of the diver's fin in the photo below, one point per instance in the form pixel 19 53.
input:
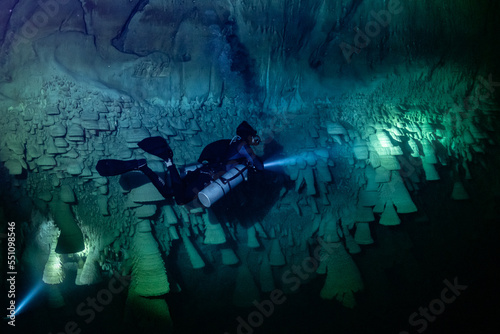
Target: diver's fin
pixel 157 146
pixel 110 167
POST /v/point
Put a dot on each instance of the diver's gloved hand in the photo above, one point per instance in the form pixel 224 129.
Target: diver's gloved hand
pixel 252 168
pixel 258 164
pixel 255 167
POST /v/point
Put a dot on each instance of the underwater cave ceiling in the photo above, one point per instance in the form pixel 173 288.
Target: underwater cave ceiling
pixel 374 112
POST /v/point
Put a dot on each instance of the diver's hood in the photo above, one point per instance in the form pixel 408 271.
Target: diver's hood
pixel 244 130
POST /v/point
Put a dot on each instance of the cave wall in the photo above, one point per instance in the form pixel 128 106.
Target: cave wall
pixel 373 102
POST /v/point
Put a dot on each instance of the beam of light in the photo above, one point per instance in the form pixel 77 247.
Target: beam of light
pixel 28 297
pixel 277 163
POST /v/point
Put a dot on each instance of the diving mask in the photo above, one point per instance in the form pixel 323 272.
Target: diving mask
pixel 255 140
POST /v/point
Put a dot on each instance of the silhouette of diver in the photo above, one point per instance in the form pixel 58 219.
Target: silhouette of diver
pixel 216 159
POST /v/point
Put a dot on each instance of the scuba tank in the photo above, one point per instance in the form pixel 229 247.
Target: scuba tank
pixel 220 187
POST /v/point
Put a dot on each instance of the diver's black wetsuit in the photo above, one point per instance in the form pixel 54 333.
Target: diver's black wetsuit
pixel 216 159
pixel 185 189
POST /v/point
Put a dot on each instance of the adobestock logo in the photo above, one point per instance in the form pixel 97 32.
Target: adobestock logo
pixel 293 277
pixel 93 305
pixel 48 9
pixel 372 29
pixel 420 320
pixel 482 91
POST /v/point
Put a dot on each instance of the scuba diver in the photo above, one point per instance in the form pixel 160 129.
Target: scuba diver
pixel 221 163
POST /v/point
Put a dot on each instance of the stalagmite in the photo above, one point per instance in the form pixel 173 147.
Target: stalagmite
pixel 429 152
pixel 91 273
pixel 61 144
pixel 343 278
pixel 323 172
pixel 383 139
pixel 364 214
pixel 389 162
pixel 293 171
pixel 214 233
pixel 459 193
pixel 172 230
pixel 467 137
pixel 260 230
pixel 368 198
pixel 75 168
pixel 430 172
pixel 79 272
pixel 145 211
pixel 146 193
pixel 290 241
pixel 413 127
pixel 328 228
pixel 335 128
pixel 395 133
pixel 71 238
pixel 53 272
pixel 169 215
pixel 309 179
pixel 465 166
pixel 33 151
pixel 314 206
pixel 252 241
pixel 54 297
pixel 315 225
pixel 46 162
pixel 360 149
pixel 143 226
pixel 370 174
pixel 130 204
pixel 374 159
pixel 399 194
pixel 351 245
pixel 14 166
pixel 396 150
pixel 310 158
pixel 134 136
pixel 45 196
pixel 266 276
pixel 148 272
pixel 276 257
pixel 102 203
pixel 475 131
pixel 362 235
pixel 246 291
pixel 50 147
pixel 300 180
pixel 75 133
pixel 382 175
pixel 195 258
pixel 67 194
pixel 389 216
pixel 229 258
pixel 184 214
pixel 323 155
pixel 427 130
